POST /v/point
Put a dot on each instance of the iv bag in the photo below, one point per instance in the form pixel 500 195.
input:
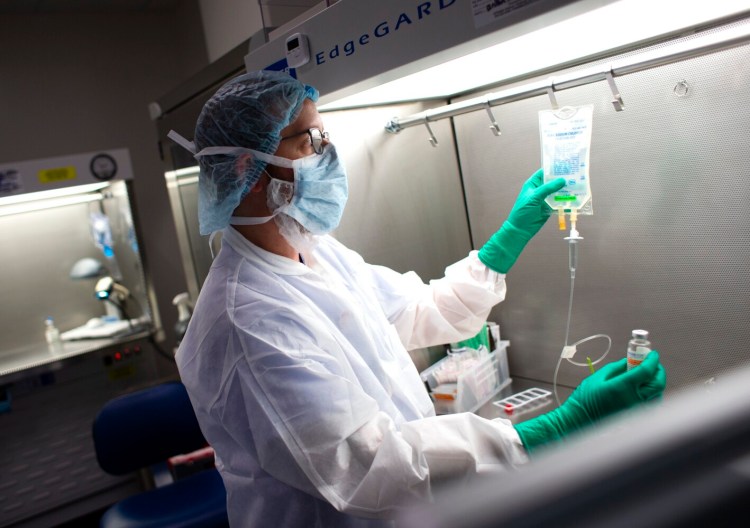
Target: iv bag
pixel 565 136
pixel 101 234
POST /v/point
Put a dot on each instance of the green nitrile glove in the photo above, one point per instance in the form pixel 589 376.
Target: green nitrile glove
pixel 606 392
pixel 482 338
pixel 527 217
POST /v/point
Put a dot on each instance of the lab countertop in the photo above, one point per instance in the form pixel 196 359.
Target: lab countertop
pixel 29 359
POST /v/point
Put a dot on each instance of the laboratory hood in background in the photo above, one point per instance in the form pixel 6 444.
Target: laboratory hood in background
pixel 71 251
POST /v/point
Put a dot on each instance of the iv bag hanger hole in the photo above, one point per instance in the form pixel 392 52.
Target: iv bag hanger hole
pixel 566 112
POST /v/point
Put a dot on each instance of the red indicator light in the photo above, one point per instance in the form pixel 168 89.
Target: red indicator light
pixel 118 356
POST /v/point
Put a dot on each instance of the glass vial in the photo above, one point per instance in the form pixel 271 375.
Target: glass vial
pixel 52 334
pixel 638 348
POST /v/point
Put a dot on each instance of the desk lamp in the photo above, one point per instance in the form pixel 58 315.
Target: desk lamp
pixel 107 289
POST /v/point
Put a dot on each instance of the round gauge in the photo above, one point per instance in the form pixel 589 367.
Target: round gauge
pixel 103 167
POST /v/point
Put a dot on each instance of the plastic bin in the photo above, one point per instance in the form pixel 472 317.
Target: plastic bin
pixel 475 382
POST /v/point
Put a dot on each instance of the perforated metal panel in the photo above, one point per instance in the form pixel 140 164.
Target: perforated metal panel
pixel 668 246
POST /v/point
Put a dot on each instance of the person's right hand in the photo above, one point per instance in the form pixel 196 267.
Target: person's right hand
pixel 606 392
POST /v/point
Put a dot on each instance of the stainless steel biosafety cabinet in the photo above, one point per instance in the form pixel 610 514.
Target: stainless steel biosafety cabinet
pixel 70 244
pixel 434 107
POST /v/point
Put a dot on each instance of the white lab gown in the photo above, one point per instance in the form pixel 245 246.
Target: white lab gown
pixel 302 384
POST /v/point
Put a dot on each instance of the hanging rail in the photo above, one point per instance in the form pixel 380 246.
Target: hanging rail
pixel 704 45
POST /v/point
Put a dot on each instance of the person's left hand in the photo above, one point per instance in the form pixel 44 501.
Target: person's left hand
pixel 608 391
pixel 527 217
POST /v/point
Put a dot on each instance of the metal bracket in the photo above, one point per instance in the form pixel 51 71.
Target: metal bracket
pixel 493 123
pixel 617 102
pixel 392 126
pixel 551 94
pixel 433 139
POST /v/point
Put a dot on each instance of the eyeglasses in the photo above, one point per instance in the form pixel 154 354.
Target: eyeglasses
pixel 316 138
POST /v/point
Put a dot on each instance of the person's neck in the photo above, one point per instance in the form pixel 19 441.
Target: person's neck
pixel 266 236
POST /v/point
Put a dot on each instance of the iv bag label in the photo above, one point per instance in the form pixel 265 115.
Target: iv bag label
pixel 57 175
pixel 487 11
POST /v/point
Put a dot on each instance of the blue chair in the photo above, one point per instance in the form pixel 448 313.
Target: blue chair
pixel 141 430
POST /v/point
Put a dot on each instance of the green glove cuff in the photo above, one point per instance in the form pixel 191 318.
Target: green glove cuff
pixel 504 247
pixel 546 428
pixel 482 338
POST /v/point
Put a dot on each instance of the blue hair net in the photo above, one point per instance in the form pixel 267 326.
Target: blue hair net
pixel 249 111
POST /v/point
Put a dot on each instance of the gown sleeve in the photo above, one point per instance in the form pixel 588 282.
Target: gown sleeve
pixel 445 310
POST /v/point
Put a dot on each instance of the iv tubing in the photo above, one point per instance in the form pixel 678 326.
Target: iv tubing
pixel 572 263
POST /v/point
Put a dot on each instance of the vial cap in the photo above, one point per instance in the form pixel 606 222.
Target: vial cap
pixel 640 334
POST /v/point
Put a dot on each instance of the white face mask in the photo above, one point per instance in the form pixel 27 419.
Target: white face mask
pixel 320 188
pixel 319 193
pixel 279 194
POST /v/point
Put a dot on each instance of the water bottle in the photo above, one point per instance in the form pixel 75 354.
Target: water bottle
pixel 638 348
pixel 52 335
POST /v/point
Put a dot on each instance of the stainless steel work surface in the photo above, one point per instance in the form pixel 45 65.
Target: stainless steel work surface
pixel 30 359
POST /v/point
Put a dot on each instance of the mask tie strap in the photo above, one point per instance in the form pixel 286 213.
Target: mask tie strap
pixel 254 220
pixel 251 220
pixel 268 158
pixel 181 141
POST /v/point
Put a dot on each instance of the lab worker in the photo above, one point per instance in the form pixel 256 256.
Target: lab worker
pixel 296 358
